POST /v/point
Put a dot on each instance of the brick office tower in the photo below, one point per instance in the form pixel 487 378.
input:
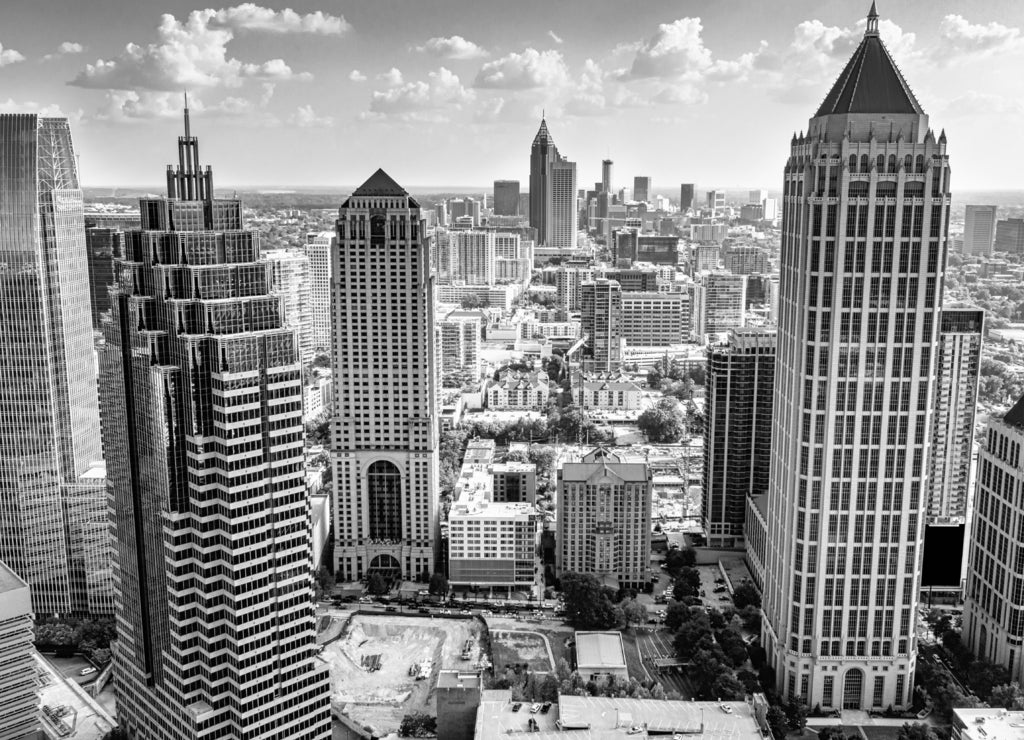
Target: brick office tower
pixel 384 431
pixel 866 200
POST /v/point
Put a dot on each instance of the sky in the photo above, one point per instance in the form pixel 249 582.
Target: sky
pixel 451 92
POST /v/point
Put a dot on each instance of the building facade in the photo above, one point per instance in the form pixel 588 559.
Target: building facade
pixel 53 522
pixel 642 189
pixel 290 278
pixel 19 694
pixel 737 431
pixel 979 230
pixel 719 303
pixel 686 196
pixel 743 260
pixel 202 425
pixel 494 545
pixel 568 283
pixel 385 426
pixel 866 198
pixel 506 197
pixel 460 345
pixel 515 390
pixel 318 250
pixel 552 193
pixel 604 519
pixel 1010 236
pixel 601 322
pixel 653 319
pixel 475 256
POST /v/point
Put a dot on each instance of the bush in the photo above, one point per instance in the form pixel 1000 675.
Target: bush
pixel 418 725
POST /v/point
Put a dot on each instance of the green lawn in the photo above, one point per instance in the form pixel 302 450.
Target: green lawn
pixel 510 648
pixel 633 663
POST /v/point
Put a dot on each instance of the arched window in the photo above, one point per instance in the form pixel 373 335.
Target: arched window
pixel 880 163
pixel 853 163
pixel 384 500
pixel 908 164
pixel 865 163
pixel 892 164
pixel 919 168
pixel 853 688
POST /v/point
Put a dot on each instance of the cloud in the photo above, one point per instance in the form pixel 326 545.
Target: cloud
pixel 306 117
pixel 555 37
pixel 50 111
pixel 959 37
pixel 392 77
pixel 974 103
pixel 673 51
pixel 127 106
pixel 421 100
pixel 252 17
pixel 356 76
pixel 187 54
pixel 531 69
pixel 65 49
pixel 10 56
pixel 454 47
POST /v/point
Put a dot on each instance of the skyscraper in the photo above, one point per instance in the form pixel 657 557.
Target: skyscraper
pixel 716 201
pixel 506 197
pixel 202 425
pixel 737 431
pixel 866 193
pixel 19 687
pixel 606 175
pixel 1010 236
pixel 290 279
pixel 53 521
pixel 719 302
pixel 601 321
pixel 685 196
pixel 384 431
pixel 318 249
pixel 476 254
pixel 979 230
pixel 552 193
pixel 642 189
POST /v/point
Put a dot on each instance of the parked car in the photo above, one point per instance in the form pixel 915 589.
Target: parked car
pixel 535 708
pixel 87 671
pixel 545 708
pixel 517 706
pixel 391 608
pixel 424 610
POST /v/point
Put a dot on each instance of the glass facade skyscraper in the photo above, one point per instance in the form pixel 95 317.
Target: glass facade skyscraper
pixel 53 525
pixel 202 424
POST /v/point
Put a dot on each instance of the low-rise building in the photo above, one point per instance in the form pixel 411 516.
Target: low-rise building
pixel 494 545
pixel 600 655
pixel 609 393
pixel 514 481
pixel 518 390
pixel 987 724
pixel 19 698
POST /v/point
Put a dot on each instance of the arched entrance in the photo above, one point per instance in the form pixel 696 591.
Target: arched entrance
pixel 384 500
pixel 387 566
pixel 853 688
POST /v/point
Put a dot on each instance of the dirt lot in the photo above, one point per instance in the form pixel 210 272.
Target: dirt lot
pixel 379 699
pixel 514 648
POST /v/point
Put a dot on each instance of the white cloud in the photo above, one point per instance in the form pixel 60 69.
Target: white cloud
pixel 674 50
pixel 252 17
pixel 10 56
pixel 306 117
pixel 356 76
pixel 555 37
pixel 531 69
pixel 422 100
pixel 126 106
pixel 51 111
pixel 455 47
pixel 959 37
pixel 65 49
pixel 973 103
pixel 188 54
pixel 392 77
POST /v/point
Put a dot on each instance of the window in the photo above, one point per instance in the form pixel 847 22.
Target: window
pixel 879 691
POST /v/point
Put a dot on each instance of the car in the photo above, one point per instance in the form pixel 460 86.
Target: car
pixel 465 612
pixel 535 708
pixel 517 706
pixel 545 707
pixel 391 608
pixel 424 610
pixel 719 589
pixel 486 613
pixel 726 708
pixel 446 611
pixel 87 671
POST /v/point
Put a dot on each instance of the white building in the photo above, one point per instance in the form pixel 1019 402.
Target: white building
pixel 318 250
pixel 654 319
pixel 476 255
pixel 521 391
pixel 19 696
pixel 719 303
pixel 609 393
pixel 460 345
pixel 494 545
pixel 290 279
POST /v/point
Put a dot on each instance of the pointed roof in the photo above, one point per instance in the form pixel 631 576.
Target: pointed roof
pixel 380 183
pixel 871 82
pixel 543 135
pixel 1015 416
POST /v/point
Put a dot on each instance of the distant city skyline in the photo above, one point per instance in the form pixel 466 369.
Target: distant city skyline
pixel 664 90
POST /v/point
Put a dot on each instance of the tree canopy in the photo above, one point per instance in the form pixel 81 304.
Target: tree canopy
pixel 588 604
pixel 665 423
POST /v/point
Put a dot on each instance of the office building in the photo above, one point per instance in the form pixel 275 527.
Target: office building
pixel 290 278
pixel 465 208
pixel 737 431
pixel 715 201
pixel 513 482
pixel 865 200
pixel 657 250
pixel 475 255
pixel 642 189
pixel 719 302
pixel 757 197
pixel 751 213
pixel 653 319
pixel 553 209
pixel 201 385
pixel 632 280
pixel 704 258
pixel 1010 236
pixel 993 627
pixel 506 197
pixel 956 397
pixel 19 694
pixel 744 260
pixel 604 519
pixel 568 282
pixel 979 230
pixel 685 197
pixel 385 432
pixel 494 545
pixel 606 175
pixel 441 215
pixel 318 250
pixel 601 322
pixel 458 698
pixel 705 233
pixel 52 493
pixel 104 237
pixel 460 345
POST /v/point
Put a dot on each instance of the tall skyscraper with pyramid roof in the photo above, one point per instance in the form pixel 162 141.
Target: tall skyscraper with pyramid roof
pixel 552 193
pixel 385 429
pixel 866 202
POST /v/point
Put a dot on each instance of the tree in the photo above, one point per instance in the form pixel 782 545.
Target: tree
pixel 318 432
pixel 471 302
pixel 588 605
pixel 54 634
pixel 796 714
pixel 831 732
pixel 706 667
pixel 750 682
pixel 323 583
pixel 634 612
pixel 687 583
pixel 676 614
pixel 1007 696
pixel 916 731
pixel 693 635
pixel 666 422
pixel 654 378
pixel 438 584
pixel 376 584
pixel 746 594
pixel 679 558
pixel 733 646
pixel 728 688
pixel 118 733
pixel 777 723
pixel 100 656
pixel 418 724
pixel 983 676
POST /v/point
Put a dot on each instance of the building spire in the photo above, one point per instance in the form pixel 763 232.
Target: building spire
pixel 872 28
pixel 188 133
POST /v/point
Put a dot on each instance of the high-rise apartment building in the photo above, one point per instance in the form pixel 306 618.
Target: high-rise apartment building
pixel 568 282
pixel 979 230
pixel 715 201
pixel 506 197
pixel 385 427
pixel 719 302
pixel 553 211
pixel 993 615
pixel 19 693
pixel 318 250
pixel 642 189
pixel 604 519
pixel 737 431
pixel 606 175
pixel 201 385
pixel 290 278
pixel 1010 236
pixel 475 253
pixel 653 319
pixel 757 197
pixel 601 322
pixel 866 194
pixel 685 196
pixel 460 344
pixel 54 531
pixel 744 260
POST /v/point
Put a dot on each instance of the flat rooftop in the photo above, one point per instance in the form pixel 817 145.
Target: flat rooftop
pixel 459 679
pixel 600 649
pixel 989 724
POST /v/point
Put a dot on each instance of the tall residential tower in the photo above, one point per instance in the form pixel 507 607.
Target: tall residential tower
pixel 866 200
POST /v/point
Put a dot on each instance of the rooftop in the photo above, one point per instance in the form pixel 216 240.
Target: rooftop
pixel 9 580
pixel 601 649
pixel 459 680
pixel 1015 416
pixel 989 724
pixel 380 183
pixel 697 719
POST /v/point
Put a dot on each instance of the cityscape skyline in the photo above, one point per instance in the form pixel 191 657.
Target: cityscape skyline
pixel 679 80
